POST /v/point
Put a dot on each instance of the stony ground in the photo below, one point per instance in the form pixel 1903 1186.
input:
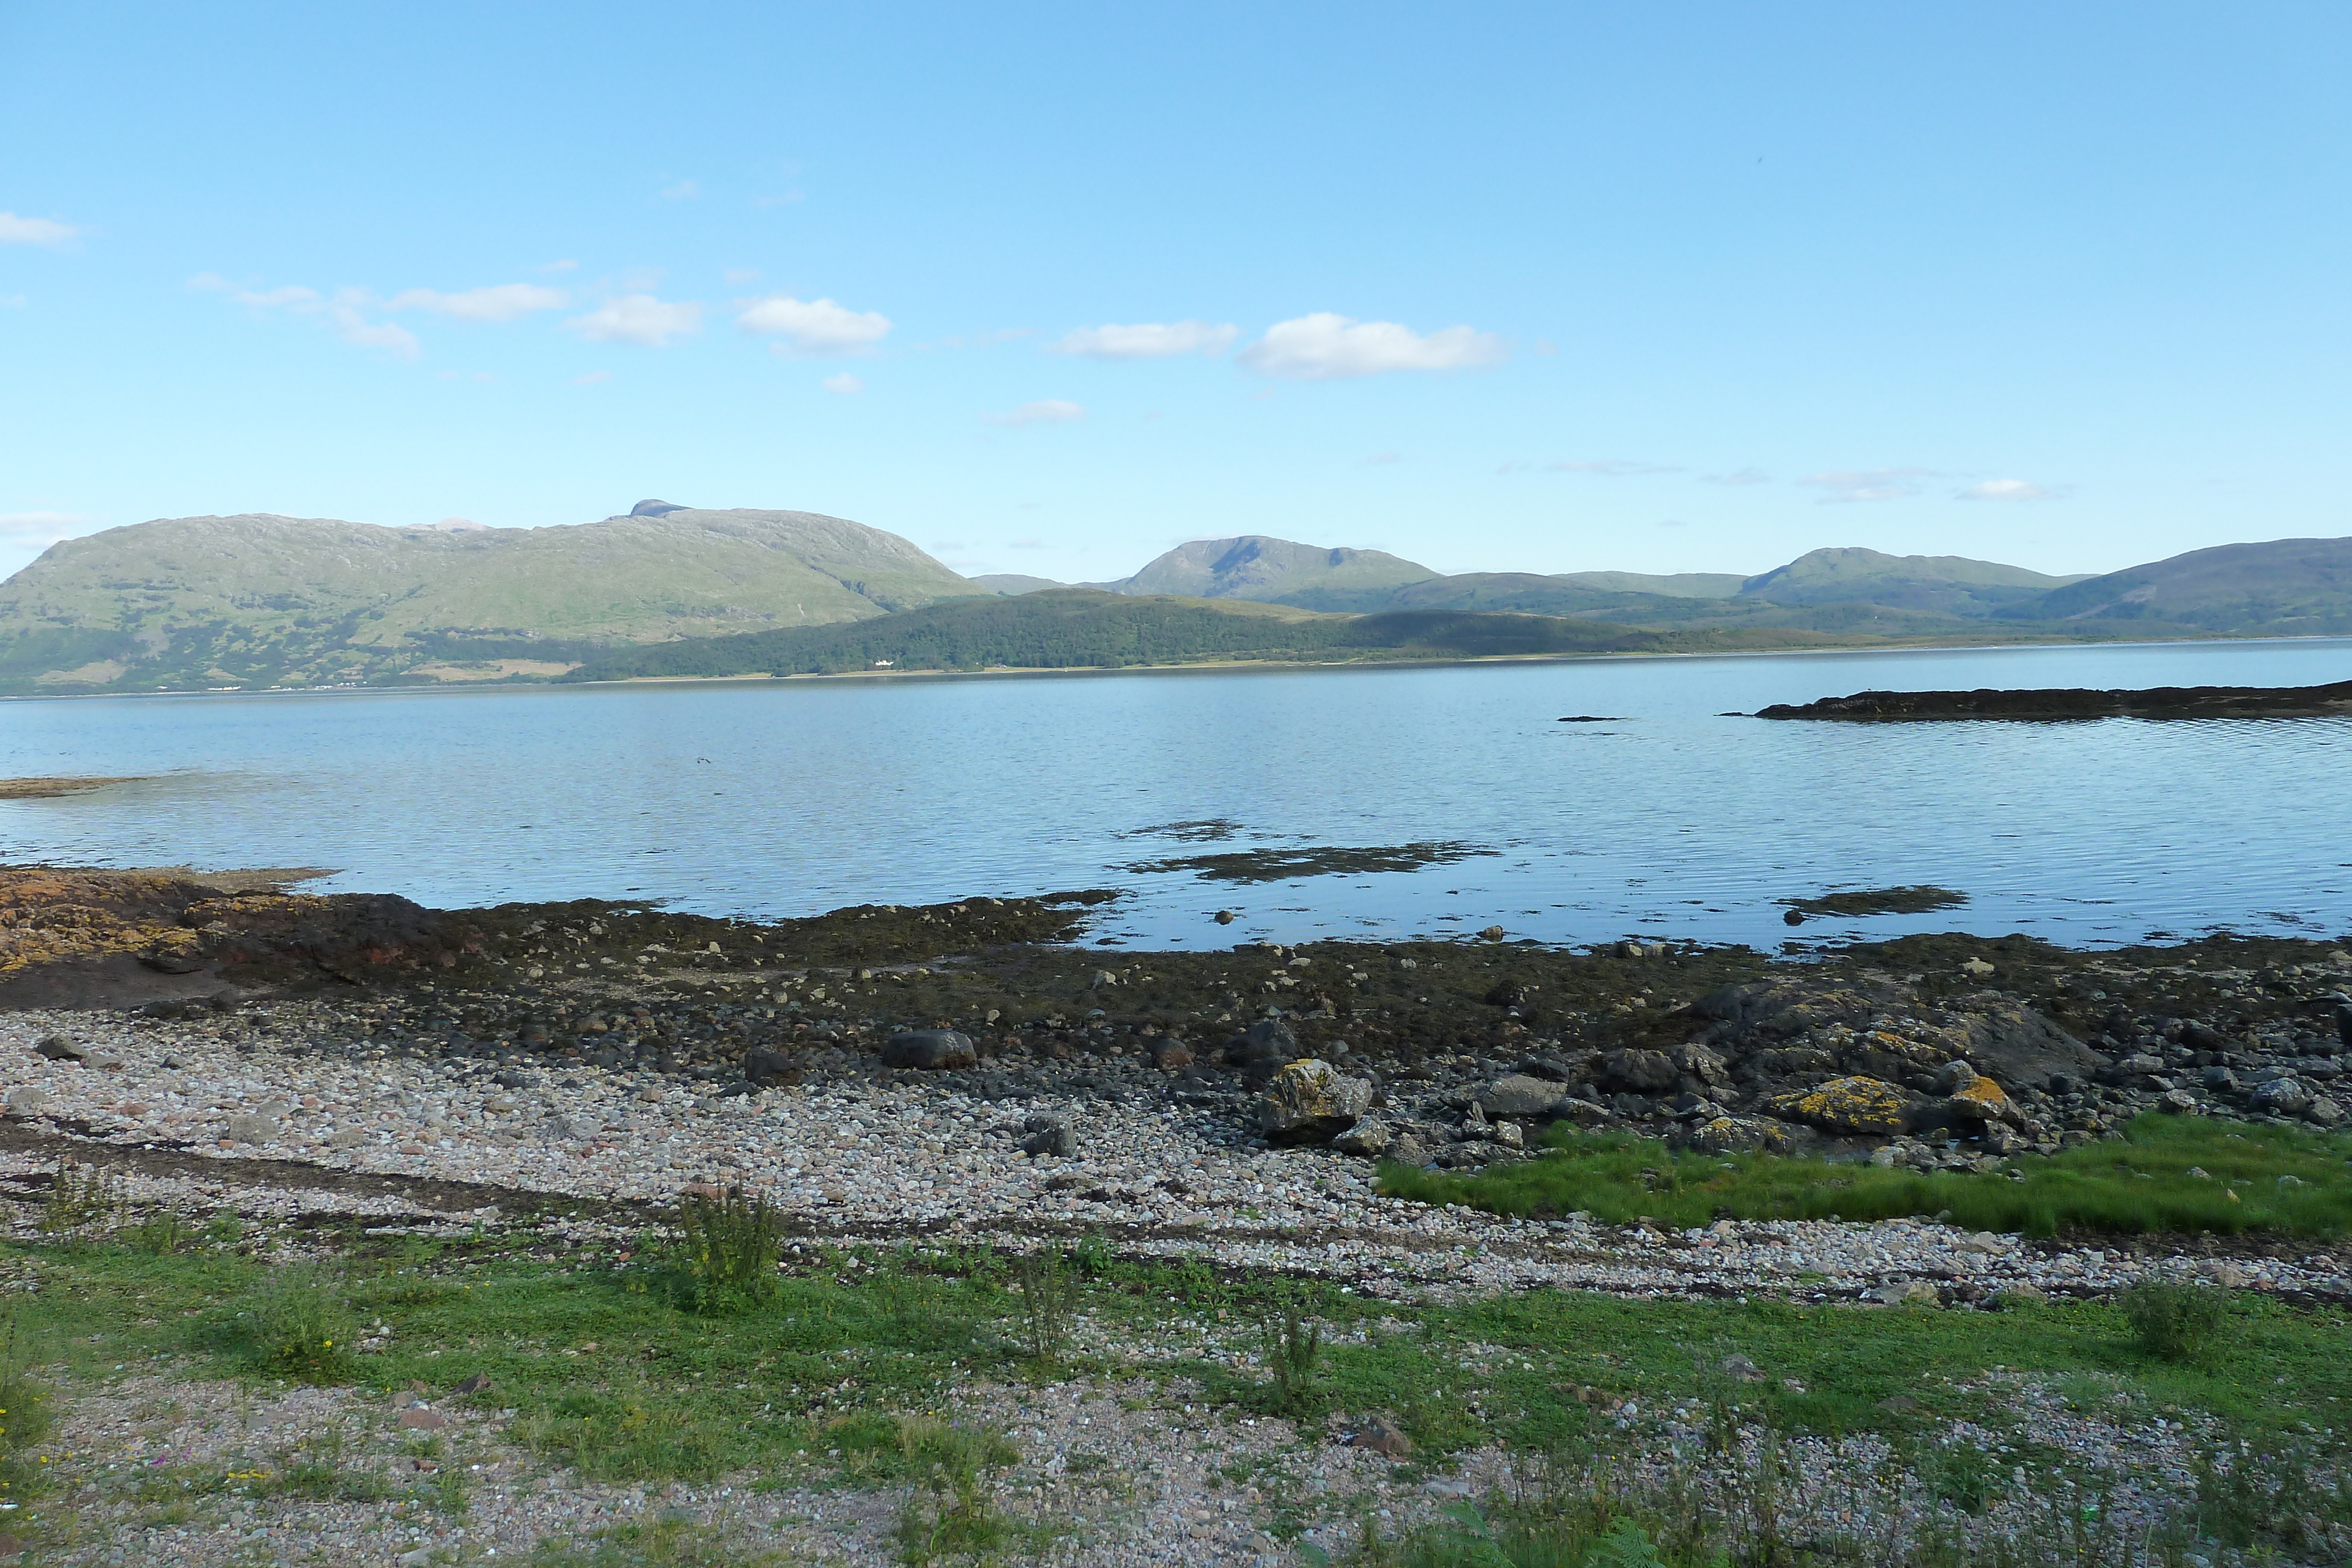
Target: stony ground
pixel 579 1067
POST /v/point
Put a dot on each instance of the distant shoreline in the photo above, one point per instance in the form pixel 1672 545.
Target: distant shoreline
pixel 1223 667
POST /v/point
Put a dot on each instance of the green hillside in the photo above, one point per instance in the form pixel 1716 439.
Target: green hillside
pixel 269 600
pixel 1941 584
pixel 1276 571
pixel 1087 629
pixel 2283 588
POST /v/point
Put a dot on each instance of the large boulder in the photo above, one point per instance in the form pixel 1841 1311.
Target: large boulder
pixel 929 1049
pixel 1521 1094
pixel 1639 1071
pixel 1311 1102
pixel 1864 1106
pixel 2019 1047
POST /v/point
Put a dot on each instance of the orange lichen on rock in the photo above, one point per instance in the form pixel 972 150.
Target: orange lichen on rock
pixel 1865 1105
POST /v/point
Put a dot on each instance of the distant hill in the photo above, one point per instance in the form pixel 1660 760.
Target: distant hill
pixel 1314 577
pixel 1014 583
pixel 2283 588
pixel 1675 585
pixel 1940 584
pixel 261 599
pixel 1275 571
pixel 1074 628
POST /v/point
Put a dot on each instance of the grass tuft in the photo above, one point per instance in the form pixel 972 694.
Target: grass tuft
pixel 2174 1321
pixel 298 1326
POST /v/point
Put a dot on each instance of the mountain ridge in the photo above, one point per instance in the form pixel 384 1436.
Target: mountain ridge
pixel 261 599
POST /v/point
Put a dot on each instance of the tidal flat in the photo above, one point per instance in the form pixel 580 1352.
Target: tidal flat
pixel 373 1226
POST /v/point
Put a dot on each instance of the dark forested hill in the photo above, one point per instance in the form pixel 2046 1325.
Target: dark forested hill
pixel 1083 628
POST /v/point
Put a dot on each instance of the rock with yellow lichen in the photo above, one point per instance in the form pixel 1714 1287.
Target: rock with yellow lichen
pixel 1979 1099
pixel 1867 1106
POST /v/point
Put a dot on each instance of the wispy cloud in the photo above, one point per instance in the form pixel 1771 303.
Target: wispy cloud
pixel 1047 411
pixel 1328 347
pixel 1148 340
pixel 844 385
pixel 13 301
pixel 639 319
pixel 1381 459
pixel 351 312
pixel 2010 490
pixel 813 327
pixel 1738 476
pixel 592 379
pixel 498 302
pixel 684 191
pixel 736 277
pixel 1866 485
pixel 42 529
pixel 1610 468
pixel 566 265
pixel 14 230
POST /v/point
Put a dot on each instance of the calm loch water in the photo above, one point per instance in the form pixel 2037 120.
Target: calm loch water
pixel 781 798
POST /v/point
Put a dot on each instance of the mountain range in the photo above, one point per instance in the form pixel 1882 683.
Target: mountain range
pixel 261 601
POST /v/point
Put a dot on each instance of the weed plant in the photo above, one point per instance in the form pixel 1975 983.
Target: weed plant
pixel 2139 1183
pixel 84 1202
pixel 1048 1303
pixel 951 1512
pixel 730 1244
pixel 1294 1356
pixel 2174 1321
pixel 26 1413
pixel 297 1326
pixel 161 1234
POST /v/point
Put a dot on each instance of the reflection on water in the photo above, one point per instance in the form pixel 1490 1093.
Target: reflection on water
pixel 778 797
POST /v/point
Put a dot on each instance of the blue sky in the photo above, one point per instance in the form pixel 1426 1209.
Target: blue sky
pixel 1050 289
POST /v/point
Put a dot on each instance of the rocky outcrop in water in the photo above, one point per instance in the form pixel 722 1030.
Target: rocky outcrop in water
pixel 2158 702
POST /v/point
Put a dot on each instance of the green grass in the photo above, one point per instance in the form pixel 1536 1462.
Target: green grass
pixel 610 1367
pixel 2139 1183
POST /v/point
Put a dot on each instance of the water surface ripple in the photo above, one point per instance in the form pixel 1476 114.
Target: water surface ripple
pixel 781 798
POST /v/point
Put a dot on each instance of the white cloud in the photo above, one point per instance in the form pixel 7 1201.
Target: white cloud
pixel 42 529
pixel 290 297
pixel 813 326
pixel 350 311
pixel 1866 485
pixel 13 301
pixel 684 191
pixel 1148 340
pixel 1738 476
pixel 1328 347
pixel 639 318
pixel 498 302
pixel 14 230
pixel 1048 411
pixel 2008 490
pixel 1381 459
pixel 1610 468
pixel 844 385
pixel 592 379
pixel 567 264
